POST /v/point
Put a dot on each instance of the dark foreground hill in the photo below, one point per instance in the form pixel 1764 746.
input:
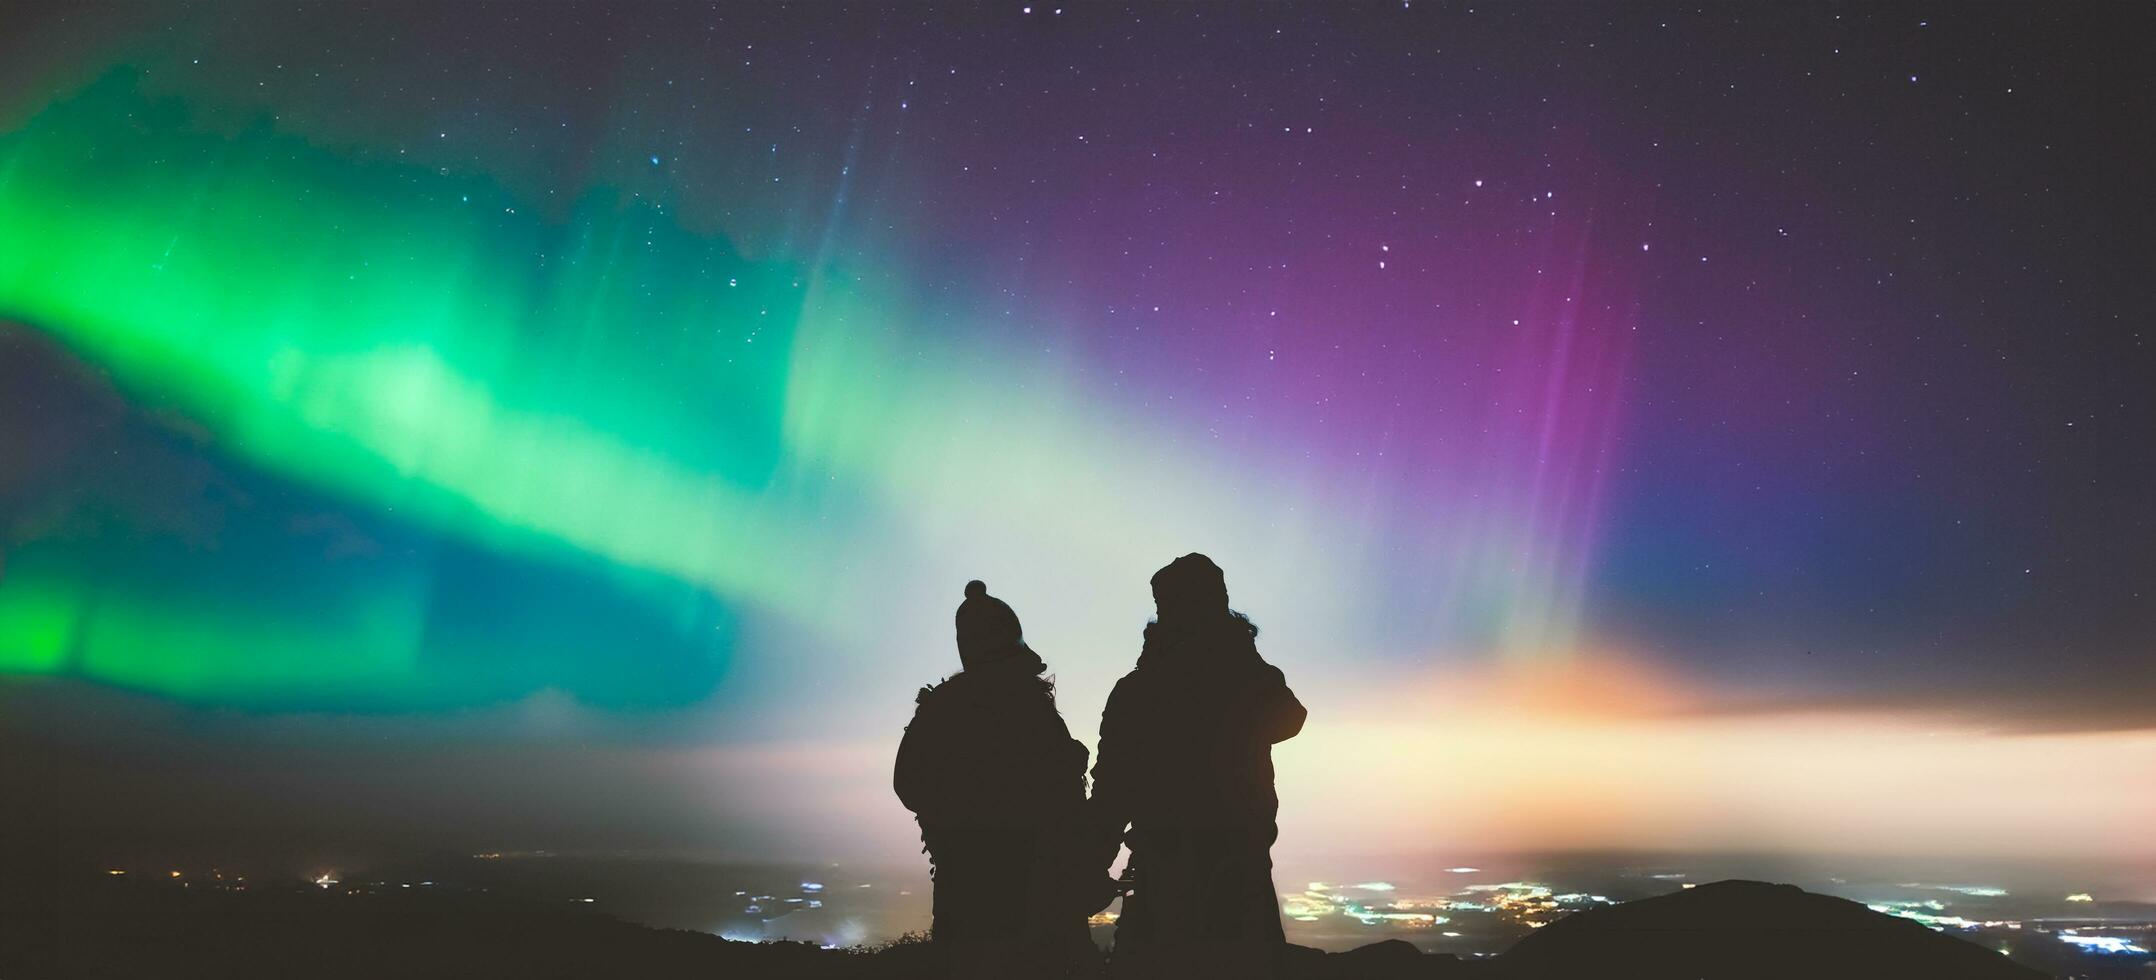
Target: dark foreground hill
pixel 1731 929
pixel 1749 929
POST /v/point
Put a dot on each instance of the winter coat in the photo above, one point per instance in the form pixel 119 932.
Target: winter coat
pixel 998 786
pixel 1186 740
pixel 1186 762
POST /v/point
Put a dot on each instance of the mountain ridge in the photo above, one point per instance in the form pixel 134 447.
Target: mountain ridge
pixel 1726 929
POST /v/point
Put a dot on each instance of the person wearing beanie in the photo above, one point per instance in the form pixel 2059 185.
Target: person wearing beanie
pixel 987 629
pixel 997 785
pixel 1186 766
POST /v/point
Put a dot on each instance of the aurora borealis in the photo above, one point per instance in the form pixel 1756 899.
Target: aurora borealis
pixel 608 404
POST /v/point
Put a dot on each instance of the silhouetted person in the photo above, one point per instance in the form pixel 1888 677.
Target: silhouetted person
pixel 1186 763
pixel 998 786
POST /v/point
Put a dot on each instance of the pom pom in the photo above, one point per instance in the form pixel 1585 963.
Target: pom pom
pixel 976 589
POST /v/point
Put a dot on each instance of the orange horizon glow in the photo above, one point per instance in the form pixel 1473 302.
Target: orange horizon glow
pixel 1588 754
pixel 1553 756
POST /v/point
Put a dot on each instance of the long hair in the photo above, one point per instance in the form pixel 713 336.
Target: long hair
pixel 1191 642
pixel 1026 661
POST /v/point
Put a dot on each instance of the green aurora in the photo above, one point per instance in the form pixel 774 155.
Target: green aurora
pixel 413 341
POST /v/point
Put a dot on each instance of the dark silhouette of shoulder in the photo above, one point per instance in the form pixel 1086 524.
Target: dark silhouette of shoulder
pixel 987 747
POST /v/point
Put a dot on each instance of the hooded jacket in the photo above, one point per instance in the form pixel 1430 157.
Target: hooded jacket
pixel 1186 739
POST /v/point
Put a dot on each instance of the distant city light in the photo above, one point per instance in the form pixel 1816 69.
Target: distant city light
pixel 2107 945
pixel 1379 908
pixel 1980 891
pixel 1456 909
pixel 1411 918
pixel 1909 910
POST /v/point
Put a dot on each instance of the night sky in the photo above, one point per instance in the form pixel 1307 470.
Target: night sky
pixel 540 425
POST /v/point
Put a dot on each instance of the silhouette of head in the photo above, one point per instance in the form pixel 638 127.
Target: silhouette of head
pixel 987 628
pixel 1190 589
